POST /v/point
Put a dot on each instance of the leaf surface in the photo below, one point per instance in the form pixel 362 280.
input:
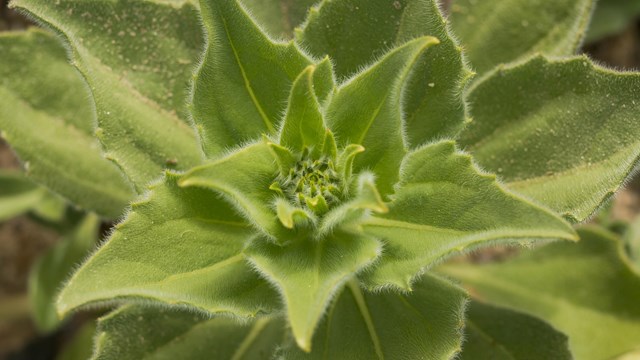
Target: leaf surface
pixel 567 144
pixel 367 111
pixel 242 86
pixel 444 206
pixel 303 124
pixel 47 119
pixel 309 273
pixel 146 333
pixel 355 33
pixel 55 266
pixel 493 333
pixel 137 57
pixel 503 31
pixel 243 179
pixel 178 246
pixel 279 17
pixel 425 324
pixel 587 290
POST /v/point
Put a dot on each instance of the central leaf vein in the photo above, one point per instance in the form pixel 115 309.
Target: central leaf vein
pixel 247 83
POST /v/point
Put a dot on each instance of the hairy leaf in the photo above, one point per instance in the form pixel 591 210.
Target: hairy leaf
pixel 242 86
pixel 243 178
pixel 573 286
pixel 424 324
pixel 569 143
pixel 137 58
pixel 494 333
pixel 47 119
pixel 362 113
pixel 55 266
pixel 432 100
pixel 279 17
pixel 444 206
pixel 179 246
pixel 502 31
pixel 303 125
pixel 137 333
pixel 309 273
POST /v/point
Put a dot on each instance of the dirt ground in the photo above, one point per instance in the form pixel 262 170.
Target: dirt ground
pixel 23 240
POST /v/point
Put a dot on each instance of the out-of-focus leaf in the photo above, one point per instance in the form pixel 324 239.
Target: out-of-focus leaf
pixel 493 333
pixel 55 266
pixel 587 290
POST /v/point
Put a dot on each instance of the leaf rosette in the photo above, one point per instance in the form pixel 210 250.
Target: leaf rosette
pixel 325 173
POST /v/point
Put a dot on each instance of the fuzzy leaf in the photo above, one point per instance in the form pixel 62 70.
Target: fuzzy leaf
pixel 572 286
pixel 136 332
pixel 137 58
pixel 303 124
pixel 444 206
pixel 568 144
pixel 55 266
pixel 243 178
pixel 494 333
pixel 495 32
pixel 179 246
pixel 242 86
pixel 425 324
pixel 279 17
pixel 364 112
pixel 17 194
pixel 355 33
pixel 309 273
pixel 45 116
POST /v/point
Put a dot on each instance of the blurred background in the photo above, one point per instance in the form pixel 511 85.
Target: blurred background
pixel 614 41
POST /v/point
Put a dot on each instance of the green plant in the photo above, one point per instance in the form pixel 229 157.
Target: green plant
pixel 311 185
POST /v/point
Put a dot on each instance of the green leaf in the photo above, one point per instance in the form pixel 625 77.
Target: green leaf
pixel 494 333
pixel 279 17
pixel 364 112
pixel 631 240
pixel 355 33
pixel 55 266
pixel 587 290
pixel 45 116
pixel 424 324
pixel 17 194
pixel 502 31
pixel 567 144
pixel 180 247
pixel 611 17
pixel 303 124
pixel 136 332
pixel 243 178
pixel 137 58
pixel 309 273
pixel 242 86
pixel 444 206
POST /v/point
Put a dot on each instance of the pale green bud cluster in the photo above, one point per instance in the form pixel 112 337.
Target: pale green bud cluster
pixel 312 183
